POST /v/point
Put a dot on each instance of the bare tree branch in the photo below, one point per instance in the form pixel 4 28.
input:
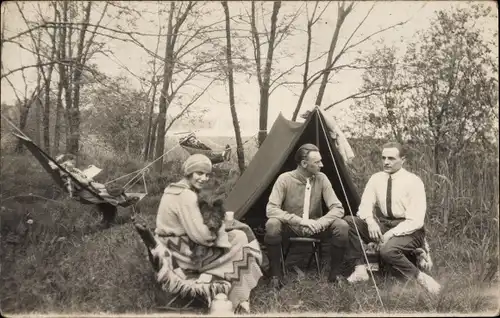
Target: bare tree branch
pixel 357 95
pixel 15 90
pixel 92 36
pixel 22 68
pixel 375 33
pixel 291 69
pixel 193 100
pixel 284 31
pixel 256 44
pixel 44 25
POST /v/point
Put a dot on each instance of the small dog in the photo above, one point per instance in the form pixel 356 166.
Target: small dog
pixel 372 248
pixel 213 214
pixel 422 255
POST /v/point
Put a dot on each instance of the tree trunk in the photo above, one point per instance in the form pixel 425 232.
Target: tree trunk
pixel 152 141
pixel 36 134
pixel 164 97
pixel 74 127
pixel 149 133
pixel 436 158
pixel 232 104
pixel 2 36
pixel 57 124
pixel 46 117
pixel 265 83
pixel 23 118
pixel 37 101
pixel 154 82
pixel 48 79
pixel 305 84
pixel 61 55
pixel 263 115
pixel 299 104
pixel 68 71
pixel 342 14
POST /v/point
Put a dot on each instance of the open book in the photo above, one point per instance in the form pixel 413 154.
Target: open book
pixel 92 171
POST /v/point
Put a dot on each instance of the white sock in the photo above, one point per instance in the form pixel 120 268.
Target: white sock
pixel 361 268
pixel 429 283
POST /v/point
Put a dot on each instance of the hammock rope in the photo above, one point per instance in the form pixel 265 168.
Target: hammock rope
pixel 143 170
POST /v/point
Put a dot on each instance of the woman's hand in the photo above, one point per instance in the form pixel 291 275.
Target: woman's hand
pixel 222 239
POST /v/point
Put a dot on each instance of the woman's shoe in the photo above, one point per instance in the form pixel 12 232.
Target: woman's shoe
pixel 243 308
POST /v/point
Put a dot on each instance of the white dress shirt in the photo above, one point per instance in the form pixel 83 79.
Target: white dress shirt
pixel 408 200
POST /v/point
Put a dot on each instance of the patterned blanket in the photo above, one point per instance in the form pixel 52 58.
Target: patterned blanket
pixel 235 271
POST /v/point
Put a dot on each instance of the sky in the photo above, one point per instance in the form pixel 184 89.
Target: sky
pixel 129 58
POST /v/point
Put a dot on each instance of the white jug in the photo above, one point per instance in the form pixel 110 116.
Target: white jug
pixel 221 306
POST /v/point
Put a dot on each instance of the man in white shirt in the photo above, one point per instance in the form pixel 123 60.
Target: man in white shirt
pixel 400 197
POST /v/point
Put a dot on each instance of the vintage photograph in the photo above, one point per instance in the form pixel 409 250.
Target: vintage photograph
pixel 249 158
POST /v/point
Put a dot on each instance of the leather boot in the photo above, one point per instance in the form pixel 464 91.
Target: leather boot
pixel 336 261
pixel 274 255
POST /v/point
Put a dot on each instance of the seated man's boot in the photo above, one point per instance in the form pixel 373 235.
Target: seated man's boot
pixel 336 262
pixel 274 255
pixel 333 273
pixel 276 283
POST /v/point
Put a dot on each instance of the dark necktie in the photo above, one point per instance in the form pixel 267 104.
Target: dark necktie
pixel 388 199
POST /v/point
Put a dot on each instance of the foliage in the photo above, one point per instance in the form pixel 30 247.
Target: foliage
pixel 117 114
pixel 444 89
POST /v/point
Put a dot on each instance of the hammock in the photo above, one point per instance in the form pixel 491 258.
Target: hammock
pixel 106 202
pixel 194 146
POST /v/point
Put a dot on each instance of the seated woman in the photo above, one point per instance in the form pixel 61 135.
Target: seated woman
pixel 232 254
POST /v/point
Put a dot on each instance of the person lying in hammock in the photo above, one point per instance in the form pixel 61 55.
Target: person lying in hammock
pixel 112 195
pixel 192 141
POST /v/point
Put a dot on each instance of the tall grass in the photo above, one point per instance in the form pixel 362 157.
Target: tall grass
pixel 62 262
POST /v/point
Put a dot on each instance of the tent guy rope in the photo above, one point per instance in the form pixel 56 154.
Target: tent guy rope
pixel 355 226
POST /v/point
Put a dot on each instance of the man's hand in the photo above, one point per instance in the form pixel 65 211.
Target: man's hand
pixel 312 225
pixel 387 235
pixel 374 230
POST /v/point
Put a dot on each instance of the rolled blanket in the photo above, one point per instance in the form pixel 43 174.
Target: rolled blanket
pixel 340 140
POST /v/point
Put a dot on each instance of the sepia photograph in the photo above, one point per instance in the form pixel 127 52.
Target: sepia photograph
pixel 249 158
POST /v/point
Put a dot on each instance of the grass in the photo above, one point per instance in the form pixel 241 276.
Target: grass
pixel 63 263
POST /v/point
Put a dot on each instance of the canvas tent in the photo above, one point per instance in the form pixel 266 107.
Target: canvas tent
pixel 249 196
